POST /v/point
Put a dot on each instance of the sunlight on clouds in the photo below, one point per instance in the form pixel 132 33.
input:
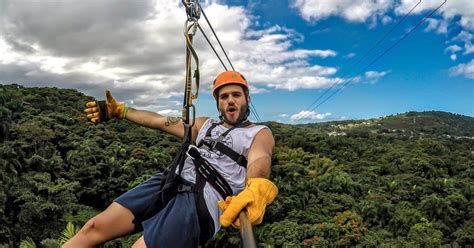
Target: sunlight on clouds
pixel 8 56
pixel 90 67
pixel 146 55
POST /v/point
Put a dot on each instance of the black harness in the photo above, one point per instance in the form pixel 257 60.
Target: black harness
pixel 172 184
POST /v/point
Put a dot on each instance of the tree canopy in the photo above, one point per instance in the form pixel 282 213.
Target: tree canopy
pixel 400 180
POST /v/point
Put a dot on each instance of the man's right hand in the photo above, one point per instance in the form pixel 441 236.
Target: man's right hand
pixel 100 111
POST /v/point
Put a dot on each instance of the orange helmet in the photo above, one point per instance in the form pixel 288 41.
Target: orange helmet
pixel 229 77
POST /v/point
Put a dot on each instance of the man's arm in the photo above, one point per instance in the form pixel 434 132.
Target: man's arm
pixel 112 109
pixel 171 125
pixel 260 155
pixel 259 191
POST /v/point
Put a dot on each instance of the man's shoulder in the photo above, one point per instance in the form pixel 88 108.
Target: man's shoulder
pixel 260 130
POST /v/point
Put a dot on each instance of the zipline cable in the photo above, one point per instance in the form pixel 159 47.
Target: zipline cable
pixel 254 112
pixel 213 49
pixel 252 108
pixel 382 54
pixel 351 67
pixel 217 38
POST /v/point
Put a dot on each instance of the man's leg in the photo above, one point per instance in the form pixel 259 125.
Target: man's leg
pixel 140 243
pixel 114 222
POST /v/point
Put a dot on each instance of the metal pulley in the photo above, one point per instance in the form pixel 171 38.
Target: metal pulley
pixel 192 9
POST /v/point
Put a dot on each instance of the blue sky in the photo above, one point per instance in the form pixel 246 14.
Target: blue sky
pixel 291 51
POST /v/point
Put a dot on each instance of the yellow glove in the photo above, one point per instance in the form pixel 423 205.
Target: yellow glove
pixel 100 111
pixel 258 193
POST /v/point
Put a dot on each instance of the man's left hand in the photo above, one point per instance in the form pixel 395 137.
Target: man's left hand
pixel 258 193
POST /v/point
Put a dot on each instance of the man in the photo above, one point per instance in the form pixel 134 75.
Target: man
pixel 183 222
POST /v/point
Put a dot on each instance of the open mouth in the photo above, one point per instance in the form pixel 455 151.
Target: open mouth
pixel 231 110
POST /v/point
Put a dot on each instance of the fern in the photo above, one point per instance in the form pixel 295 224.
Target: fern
pixel 28 243
pixel 68 233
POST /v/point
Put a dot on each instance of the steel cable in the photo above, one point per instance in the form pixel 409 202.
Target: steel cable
pixel 382 54
pixel 252 108
pixel 351 67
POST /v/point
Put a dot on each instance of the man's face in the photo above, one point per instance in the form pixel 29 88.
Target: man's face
pixel 232 103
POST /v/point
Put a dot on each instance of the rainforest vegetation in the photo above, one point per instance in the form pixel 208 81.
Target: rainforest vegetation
pixel 404 180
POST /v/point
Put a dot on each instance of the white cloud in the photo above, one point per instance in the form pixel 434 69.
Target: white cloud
pixel 309 115
pixel 466 70
pixel 169 112
pixel 363 11
pixel 306 82
pixel 467 23
pixel 453 14
pixel 466 38
pixel 284 115
pixel 453 49
pixel 350 55
pixel 386 20
pixel 255 90
pixel 136 49
pixel 453 57
pixel 354 11
pixel 439 26
pixel 461 8
pixel 449 9
pixel 374 76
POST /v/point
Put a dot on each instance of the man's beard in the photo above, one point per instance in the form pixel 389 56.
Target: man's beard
pixel 242 115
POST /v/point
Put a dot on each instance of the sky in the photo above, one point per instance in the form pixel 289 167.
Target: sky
pixel 305 60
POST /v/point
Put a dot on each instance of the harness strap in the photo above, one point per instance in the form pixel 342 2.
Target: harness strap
pixel 217 143
pixel 209 173
pixel 103 112
pixel 238 158
pixel 205 225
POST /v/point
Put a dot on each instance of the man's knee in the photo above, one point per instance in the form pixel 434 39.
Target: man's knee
pixel 89 236
pixel 114 222
pixel 94 231
pixel 91 227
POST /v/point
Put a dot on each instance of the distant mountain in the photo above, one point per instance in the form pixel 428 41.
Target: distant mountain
pixel 410 123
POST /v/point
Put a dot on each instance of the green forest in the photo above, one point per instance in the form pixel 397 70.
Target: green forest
pixel 405 180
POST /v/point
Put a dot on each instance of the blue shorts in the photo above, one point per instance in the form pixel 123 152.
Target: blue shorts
pixel 176 225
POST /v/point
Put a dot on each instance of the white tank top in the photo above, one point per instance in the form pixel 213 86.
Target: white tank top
pixel 240 140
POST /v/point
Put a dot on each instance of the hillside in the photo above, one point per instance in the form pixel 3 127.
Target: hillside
pixel 429 123
pixel 401 180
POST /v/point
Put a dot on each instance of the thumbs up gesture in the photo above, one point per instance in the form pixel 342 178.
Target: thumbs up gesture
pixel 100 111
